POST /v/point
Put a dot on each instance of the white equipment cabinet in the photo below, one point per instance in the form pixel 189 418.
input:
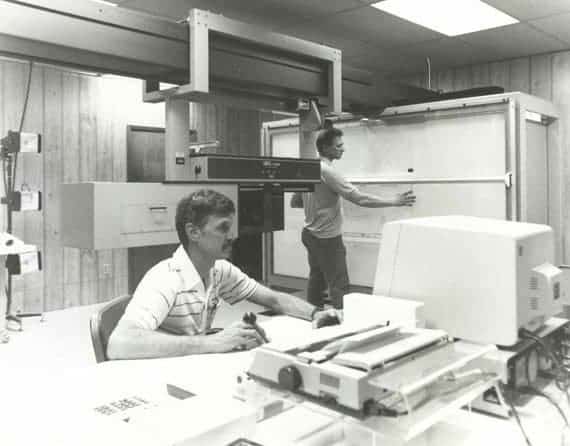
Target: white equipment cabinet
pixel 495 156
pixel 104 215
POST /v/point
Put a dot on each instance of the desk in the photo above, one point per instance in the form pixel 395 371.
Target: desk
pixel 61 414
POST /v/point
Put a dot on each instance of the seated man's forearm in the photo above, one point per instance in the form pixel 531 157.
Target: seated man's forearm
pixel 283 303
pixel 130 342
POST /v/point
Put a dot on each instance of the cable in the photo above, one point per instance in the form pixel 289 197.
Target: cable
pixel 9 180
pixel 531 390
pixel 561 374
pixel 516 415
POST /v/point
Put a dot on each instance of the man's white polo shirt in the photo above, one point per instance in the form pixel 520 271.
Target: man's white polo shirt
pixel 172 296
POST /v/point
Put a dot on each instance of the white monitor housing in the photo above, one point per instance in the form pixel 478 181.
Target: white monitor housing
pixel 479 279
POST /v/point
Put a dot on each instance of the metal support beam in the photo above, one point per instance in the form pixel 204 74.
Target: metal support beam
pixel 310 122
pixel 246 63
pixel 266 47
pixel 177 139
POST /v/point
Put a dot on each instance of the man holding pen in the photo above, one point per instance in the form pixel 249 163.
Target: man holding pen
pixel 174 305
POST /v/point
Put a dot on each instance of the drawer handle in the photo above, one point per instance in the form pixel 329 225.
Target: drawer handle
pixel 157 208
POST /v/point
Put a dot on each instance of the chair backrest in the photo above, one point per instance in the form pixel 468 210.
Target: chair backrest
pixel 104 322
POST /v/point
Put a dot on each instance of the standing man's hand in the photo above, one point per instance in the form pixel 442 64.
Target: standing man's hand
pixel 405 199
pixel 324 318
pixel 236 337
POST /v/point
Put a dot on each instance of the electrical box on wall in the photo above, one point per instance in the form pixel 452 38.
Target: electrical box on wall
pixel 16 142
pixel 26 201
pixel 23 263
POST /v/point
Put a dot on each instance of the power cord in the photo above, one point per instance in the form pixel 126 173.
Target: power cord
pixel 9 180
pixel 516 415
pixel 531 390
pixel 561 373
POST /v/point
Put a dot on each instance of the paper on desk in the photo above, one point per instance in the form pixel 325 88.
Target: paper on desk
pixel 287 333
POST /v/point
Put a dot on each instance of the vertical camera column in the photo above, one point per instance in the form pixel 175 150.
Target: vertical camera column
pixel 20 257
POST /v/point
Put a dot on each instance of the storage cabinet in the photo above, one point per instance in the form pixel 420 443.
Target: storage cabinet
pixel 100 215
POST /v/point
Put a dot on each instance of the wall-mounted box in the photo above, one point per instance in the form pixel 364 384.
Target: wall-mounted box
pixel 104 215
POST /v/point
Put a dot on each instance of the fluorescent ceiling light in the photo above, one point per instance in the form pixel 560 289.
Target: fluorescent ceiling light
pixel 449 17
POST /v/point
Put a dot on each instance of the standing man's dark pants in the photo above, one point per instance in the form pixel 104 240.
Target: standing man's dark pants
pixel 327 262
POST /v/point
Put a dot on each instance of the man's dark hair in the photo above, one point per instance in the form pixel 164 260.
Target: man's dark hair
pixel 197 207
pixel 326 138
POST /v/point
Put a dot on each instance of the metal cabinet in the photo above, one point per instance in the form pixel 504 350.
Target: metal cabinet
pixel 101 215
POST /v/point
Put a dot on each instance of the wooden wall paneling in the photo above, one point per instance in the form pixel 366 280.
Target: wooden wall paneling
pixel 217 123
pixel 242 134
pixel 463 78
pixel 88 94
pixel 541 85
pixel 2 134
pixel 499 74
pixel 231 132
pixel 417 80
pixel 541 76
pixel 561 97
pixel 53 176
pixel 519 75
pixel 119 145
pixel 70 155
pixel 13 91
pixel 104 172
pixel 445 80
pixel 480 75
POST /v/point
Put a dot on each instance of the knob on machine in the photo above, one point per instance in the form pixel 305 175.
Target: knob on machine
pixel 290 378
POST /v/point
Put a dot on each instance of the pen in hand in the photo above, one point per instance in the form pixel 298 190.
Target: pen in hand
pixel 250 319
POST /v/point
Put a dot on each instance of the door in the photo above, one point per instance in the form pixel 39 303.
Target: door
pixel 145 164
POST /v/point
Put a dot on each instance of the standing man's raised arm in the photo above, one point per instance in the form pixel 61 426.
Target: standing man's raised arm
pixel 373 201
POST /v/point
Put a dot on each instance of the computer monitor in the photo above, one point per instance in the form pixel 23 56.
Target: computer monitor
pixel 480 279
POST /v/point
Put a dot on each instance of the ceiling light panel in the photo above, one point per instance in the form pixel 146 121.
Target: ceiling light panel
pixel 449 17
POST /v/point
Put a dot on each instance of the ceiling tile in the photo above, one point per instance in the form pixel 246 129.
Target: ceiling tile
pixel 513 41
pixel 174 9
pixel 530 9
pixel 383 60
pixel 259 10
pixel 315 8
pixel 266 13
pixel 557 26
pixel 447 52
pixel 372 25
pixel 372 39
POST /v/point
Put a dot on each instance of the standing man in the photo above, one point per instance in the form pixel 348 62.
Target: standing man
pixel 322 234
pixel 175 303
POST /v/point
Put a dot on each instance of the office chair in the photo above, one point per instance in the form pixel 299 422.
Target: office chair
pixel 103 323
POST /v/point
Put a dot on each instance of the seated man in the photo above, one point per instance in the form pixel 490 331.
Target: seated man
pixel 174 305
